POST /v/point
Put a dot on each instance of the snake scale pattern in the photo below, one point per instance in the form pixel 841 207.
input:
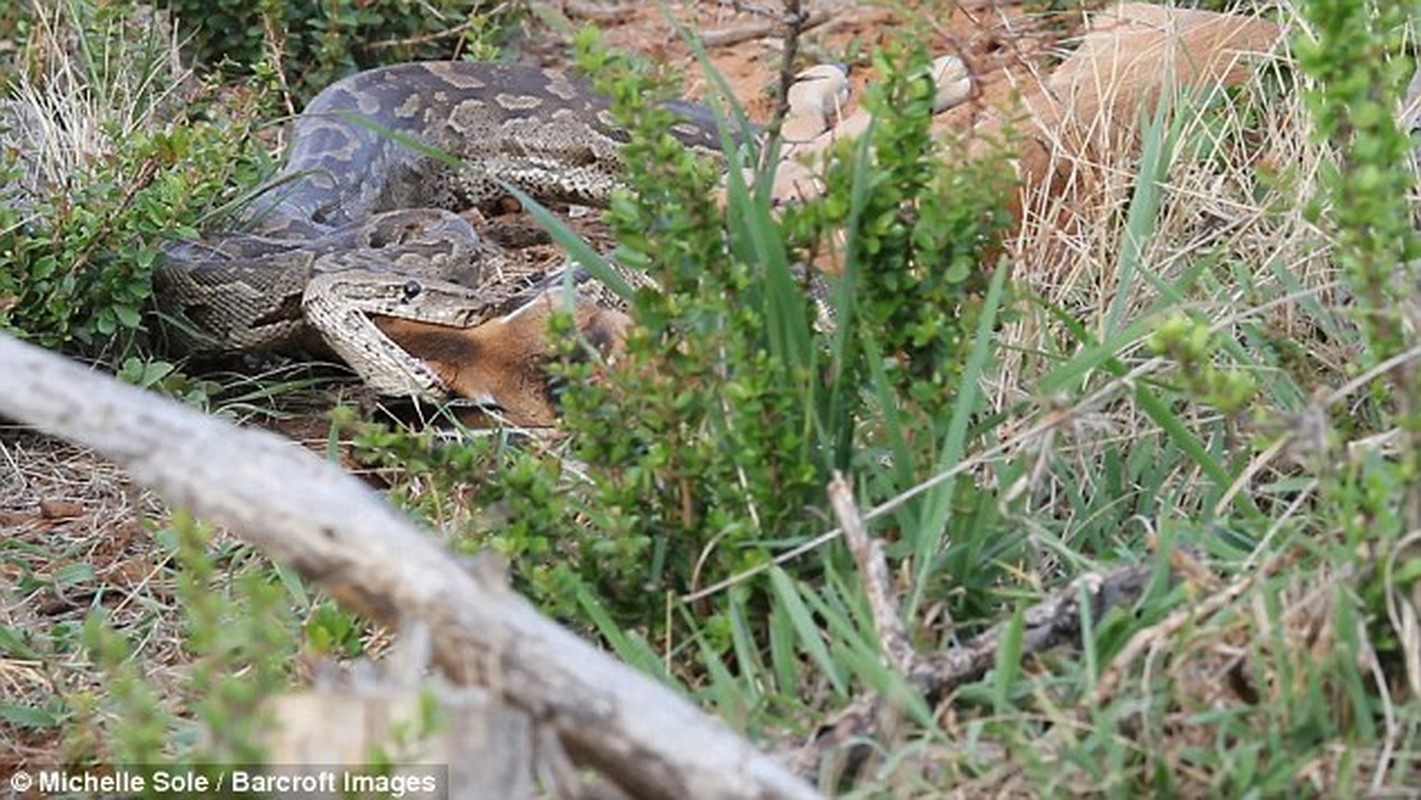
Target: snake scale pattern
pixel 358 222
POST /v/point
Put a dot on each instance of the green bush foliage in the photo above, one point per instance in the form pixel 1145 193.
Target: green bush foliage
pixel 100 166
pixel 916 237
pixel 706 449
pixel 317 41
pixel 1360 66
pixel 241 630
pixel 80 279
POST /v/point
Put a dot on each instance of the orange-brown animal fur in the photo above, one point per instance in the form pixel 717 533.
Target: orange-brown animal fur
pixel 504 362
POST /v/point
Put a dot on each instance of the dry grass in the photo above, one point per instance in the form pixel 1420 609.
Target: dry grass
pixel 74 542
pixel 79 94
pixel 1231 242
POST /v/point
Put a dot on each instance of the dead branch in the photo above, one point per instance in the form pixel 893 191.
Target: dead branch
pixel 873 569
pixel 334 530
pixel 1056 620
pixel 794 22
pixel 1051 622
pixel 728 37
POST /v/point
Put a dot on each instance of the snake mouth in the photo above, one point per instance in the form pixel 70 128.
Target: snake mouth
pixel 486 404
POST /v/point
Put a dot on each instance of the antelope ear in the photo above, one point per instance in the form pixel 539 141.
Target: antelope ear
pixel 606 330
pixel 603 328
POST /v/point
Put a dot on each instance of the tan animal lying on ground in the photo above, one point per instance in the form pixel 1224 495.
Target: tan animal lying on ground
pixel 1088 106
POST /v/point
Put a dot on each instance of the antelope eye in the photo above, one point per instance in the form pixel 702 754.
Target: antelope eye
pixel 412 289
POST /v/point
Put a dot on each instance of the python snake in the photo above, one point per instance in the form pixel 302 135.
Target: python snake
pixel 359 223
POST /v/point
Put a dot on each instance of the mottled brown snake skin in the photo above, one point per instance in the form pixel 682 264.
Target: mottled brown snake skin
pixel 358 222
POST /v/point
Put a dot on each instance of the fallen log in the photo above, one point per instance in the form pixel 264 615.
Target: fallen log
pixel 637 733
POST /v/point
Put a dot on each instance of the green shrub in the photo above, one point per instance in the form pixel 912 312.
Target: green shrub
pixel 79 261
pixel 241 631
pixel 917 234
pixel 317 41
pixel 1360 65
pixel 101 166
pixel 706 449
pixel 1358 60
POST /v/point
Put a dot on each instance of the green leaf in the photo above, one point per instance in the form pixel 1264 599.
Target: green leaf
pixel 1007 664
pixel 73 574
pixel 27 717
pixel 808 634
pixel 128 316
pixel 12 644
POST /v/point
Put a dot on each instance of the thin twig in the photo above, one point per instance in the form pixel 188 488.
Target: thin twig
pixel 274 37
pixel 873 568
pixel 794 20
pixel 415 41
pixel 727 37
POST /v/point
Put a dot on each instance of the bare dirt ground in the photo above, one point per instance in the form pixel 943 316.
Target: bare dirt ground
pixel 76 533
pixel 1000 41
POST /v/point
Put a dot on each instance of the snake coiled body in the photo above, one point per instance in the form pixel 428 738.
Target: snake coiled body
pixel 357 205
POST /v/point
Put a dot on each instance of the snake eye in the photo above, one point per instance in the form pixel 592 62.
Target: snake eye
pixel 412 290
